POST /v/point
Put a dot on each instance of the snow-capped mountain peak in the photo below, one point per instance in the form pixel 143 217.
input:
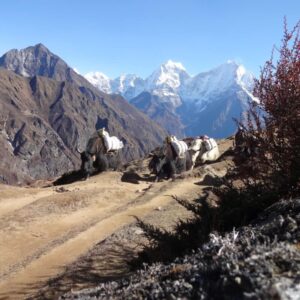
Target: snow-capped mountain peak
pixel 173 85
pixel 244 78
pixel 203 87
pixel 94 76
pixel 246 81
pixel 166 81
pixel 169 75
pixel 128 85
pixel 240 72
pixel 172 65
pixel 100 80
pixel 206 102
pixel 125 81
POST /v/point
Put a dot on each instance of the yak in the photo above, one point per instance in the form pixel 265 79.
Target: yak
pixel 96 157
pixel 166 163
pixel 246 144
pixel 198 149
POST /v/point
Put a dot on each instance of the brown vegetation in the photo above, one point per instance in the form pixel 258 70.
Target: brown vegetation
pixel 274 122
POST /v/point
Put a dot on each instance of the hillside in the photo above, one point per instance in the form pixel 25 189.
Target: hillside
pixel 74 241
pixel 52 229
pixel 47 110
pixel 152 106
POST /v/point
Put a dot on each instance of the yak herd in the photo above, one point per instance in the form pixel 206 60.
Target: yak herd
pixel 103 152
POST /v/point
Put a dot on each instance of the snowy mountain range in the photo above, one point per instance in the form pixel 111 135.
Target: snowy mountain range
pixel 205 103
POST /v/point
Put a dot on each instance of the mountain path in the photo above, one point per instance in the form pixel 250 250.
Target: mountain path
pixel 43 230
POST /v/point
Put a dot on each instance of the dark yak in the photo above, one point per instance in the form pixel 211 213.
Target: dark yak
pixel 96 157
pixel 166 164
pixel 246 145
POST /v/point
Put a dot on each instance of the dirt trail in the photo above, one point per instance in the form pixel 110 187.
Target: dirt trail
pixel 44 230
pixel 42 233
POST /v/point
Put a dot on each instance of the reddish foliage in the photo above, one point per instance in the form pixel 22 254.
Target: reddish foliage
pixel 274 122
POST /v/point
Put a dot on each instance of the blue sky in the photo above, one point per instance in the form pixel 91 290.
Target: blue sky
pixel 136 36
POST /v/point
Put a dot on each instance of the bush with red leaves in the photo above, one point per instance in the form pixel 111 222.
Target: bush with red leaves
pixel 274 121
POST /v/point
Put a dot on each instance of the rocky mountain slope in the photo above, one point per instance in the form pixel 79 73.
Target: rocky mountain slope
pixel 48 110
pixel 159 111
pixel 39 60
pixel 205 103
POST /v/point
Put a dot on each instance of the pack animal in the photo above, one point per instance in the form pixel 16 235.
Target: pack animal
pixel 205 149
pixel 196 148
pixel 246 144
pixel 96 157
pixel 166 163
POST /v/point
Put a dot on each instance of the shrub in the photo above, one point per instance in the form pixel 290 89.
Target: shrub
pixel 274 122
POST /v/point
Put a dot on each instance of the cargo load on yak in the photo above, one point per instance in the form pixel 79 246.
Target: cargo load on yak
pixel 112 143
pixel 180 147
pixel 209 143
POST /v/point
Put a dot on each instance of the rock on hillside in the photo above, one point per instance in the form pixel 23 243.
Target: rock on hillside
pixel 42 121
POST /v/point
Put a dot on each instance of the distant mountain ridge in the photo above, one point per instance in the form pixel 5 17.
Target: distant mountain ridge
pixel 38 60
pixel 217 96
pixel 47 110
